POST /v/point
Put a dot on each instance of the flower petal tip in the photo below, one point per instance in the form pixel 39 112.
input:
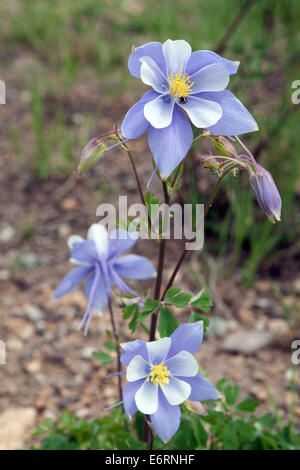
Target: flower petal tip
pixel 256 128
pixel 277 217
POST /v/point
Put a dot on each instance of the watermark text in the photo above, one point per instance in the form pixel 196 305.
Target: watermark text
pixel 2 352
pixel 2 92
pixel 296 353
pixel 157 221
pixel 296 94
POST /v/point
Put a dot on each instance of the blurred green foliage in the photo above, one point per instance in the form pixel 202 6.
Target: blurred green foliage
pixel 229 424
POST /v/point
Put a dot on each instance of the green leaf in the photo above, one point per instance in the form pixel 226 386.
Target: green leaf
pixel 175 297
pixel 229 437
pixel 198 317
pixel 132 324
pixel 128 295
pixel 167 322
pixel 202 301
pixel 44 426
pixel 110 346
pixel 268 420
pixel 58 442
pixel 151 304
pixel 178 183
pixel 152 204
pixel 221 384
pixel 199 432
pixel 145 328
pixel 151 199
pixel 130 310
pixel 171 293
pixel 108 334
pixel 245 432
pixel 269 442
pixel 121 224
pixel 232 394
pixel 247 406
pixel 144 314
pixel 150 307
pixel 103 357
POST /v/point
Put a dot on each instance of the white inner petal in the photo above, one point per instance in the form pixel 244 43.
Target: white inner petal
pixel 146 398
pixel 213 77
pixel 159 112
pixel 74 239
pixel 158 350
pixel 183 365
pixel 152 75
pixel 99 235
pixel 202 113
pixel 137 369
pixel 177 54
pixel 177 391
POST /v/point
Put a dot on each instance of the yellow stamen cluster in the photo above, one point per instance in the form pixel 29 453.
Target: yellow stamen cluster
pixel 180 85
pixel 159 374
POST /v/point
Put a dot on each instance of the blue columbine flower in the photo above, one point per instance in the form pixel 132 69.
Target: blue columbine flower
pixel 98 261
pixel 182 80
pixel 163 374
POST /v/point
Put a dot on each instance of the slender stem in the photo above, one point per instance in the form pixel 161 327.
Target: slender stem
pixel 165 190
pixel 176 176
pixel 115 335
pixel 138 184
pixel 126 149
pixel 214 193
pixel 185 252
pixel 234 25
pixel 161 259
pixel 147 432
pixel 157 288
pixel 174 273
pixel 151 439
pixel 135 173
pixel 198 137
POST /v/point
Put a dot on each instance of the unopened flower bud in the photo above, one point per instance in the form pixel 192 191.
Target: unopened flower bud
pixel 266 192
pixel 195 407
pixel 91 153
pixel 224 147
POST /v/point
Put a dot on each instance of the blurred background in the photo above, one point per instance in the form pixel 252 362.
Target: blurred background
pixel 65 69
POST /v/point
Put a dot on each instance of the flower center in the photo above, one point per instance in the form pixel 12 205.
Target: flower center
pixel 159 374
pixel 180 86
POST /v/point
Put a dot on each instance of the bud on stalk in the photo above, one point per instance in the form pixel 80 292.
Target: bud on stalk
pixel 91 153
pixel 266 192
